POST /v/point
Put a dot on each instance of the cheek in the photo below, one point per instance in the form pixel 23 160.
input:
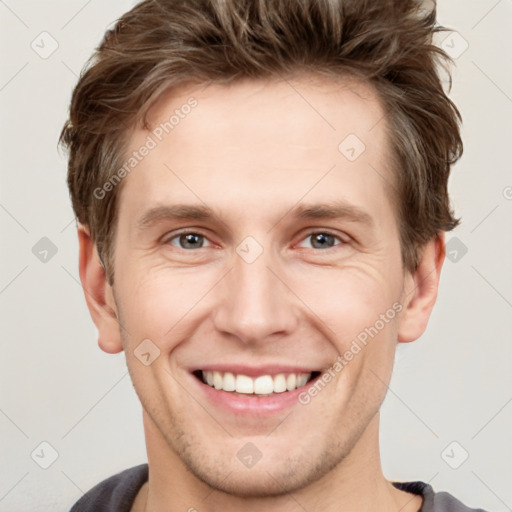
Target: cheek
pixel 157 301
pixel 350 298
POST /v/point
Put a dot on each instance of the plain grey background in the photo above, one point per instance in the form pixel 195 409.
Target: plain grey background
pixel 447 418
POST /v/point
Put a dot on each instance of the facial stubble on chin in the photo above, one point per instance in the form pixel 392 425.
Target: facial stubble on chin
pixel 226 475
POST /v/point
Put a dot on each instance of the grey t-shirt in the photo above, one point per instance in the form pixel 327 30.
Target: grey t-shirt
pixel 117 493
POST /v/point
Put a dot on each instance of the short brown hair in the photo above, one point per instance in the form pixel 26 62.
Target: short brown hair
pixel 162 44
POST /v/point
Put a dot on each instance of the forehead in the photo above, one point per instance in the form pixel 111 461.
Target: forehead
pixel 269 141
pixel 310 111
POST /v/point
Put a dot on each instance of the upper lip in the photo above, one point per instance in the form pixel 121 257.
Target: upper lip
pixel 255 371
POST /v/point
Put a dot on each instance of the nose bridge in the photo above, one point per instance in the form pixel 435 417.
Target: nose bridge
pixel 254 303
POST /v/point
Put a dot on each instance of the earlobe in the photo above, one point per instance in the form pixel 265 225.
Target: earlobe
pixel 420 292
pixel 98 294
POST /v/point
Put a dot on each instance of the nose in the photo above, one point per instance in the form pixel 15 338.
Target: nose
pixel 254 303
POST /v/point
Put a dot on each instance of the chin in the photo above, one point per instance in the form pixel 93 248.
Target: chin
pixel 277 476
pixel 253 483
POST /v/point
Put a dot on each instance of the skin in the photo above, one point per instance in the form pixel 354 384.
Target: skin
pixel 252 151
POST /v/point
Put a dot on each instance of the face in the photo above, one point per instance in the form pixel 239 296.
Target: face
pixel 252 251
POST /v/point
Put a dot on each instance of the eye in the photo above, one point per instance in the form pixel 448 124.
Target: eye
pixel 188 240
pixel 321 240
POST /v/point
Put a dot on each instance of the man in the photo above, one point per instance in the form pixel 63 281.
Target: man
pixel 261 190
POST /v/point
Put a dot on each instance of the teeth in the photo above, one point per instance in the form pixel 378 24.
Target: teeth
pixel 262 385
pixel 280 383
pixel 217 380
pixel 302 380
pixel 244 384
pixel 291 382
pixel 229 383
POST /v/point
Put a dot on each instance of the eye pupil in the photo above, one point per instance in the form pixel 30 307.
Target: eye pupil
pixel 323 240
pixel 191 240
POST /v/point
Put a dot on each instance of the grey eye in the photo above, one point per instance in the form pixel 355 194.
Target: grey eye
pixel 322 240
pixel 188 241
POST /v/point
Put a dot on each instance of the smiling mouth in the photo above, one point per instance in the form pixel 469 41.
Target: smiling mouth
pixel 262 385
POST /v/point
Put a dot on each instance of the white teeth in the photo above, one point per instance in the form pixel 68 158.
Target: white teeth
pixel 217 380
pixel 261 385
pixel 291 382
pixel 244 384
pixel 228 384
pixel 279 383
pixel 302 380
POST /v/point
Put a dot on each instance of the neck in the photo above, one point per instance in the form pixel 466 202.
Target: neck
pixel 357 483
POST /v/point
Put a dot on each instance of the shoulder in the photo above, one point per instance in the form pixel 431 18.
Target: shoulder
pixel 115 494
pixel 435 501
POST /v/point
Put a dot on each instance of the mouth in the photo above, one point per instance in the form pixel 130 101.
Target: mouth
pixel 258 385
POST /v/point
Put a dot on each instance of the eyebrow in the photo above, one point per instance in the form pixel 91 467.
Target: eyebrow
pixel 333 210
pixel 174 212
pixel 329 210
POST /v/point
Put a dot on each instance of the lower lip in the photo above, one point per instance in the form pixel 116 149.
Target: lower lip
pixel 252 404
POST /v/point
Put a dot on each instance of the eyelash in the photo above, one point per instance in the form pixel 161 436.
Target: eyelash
pixel 306 236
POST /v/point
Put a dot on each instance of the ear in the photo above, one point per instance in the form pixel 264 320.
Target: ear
pixel 98 294
pixel 420 290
